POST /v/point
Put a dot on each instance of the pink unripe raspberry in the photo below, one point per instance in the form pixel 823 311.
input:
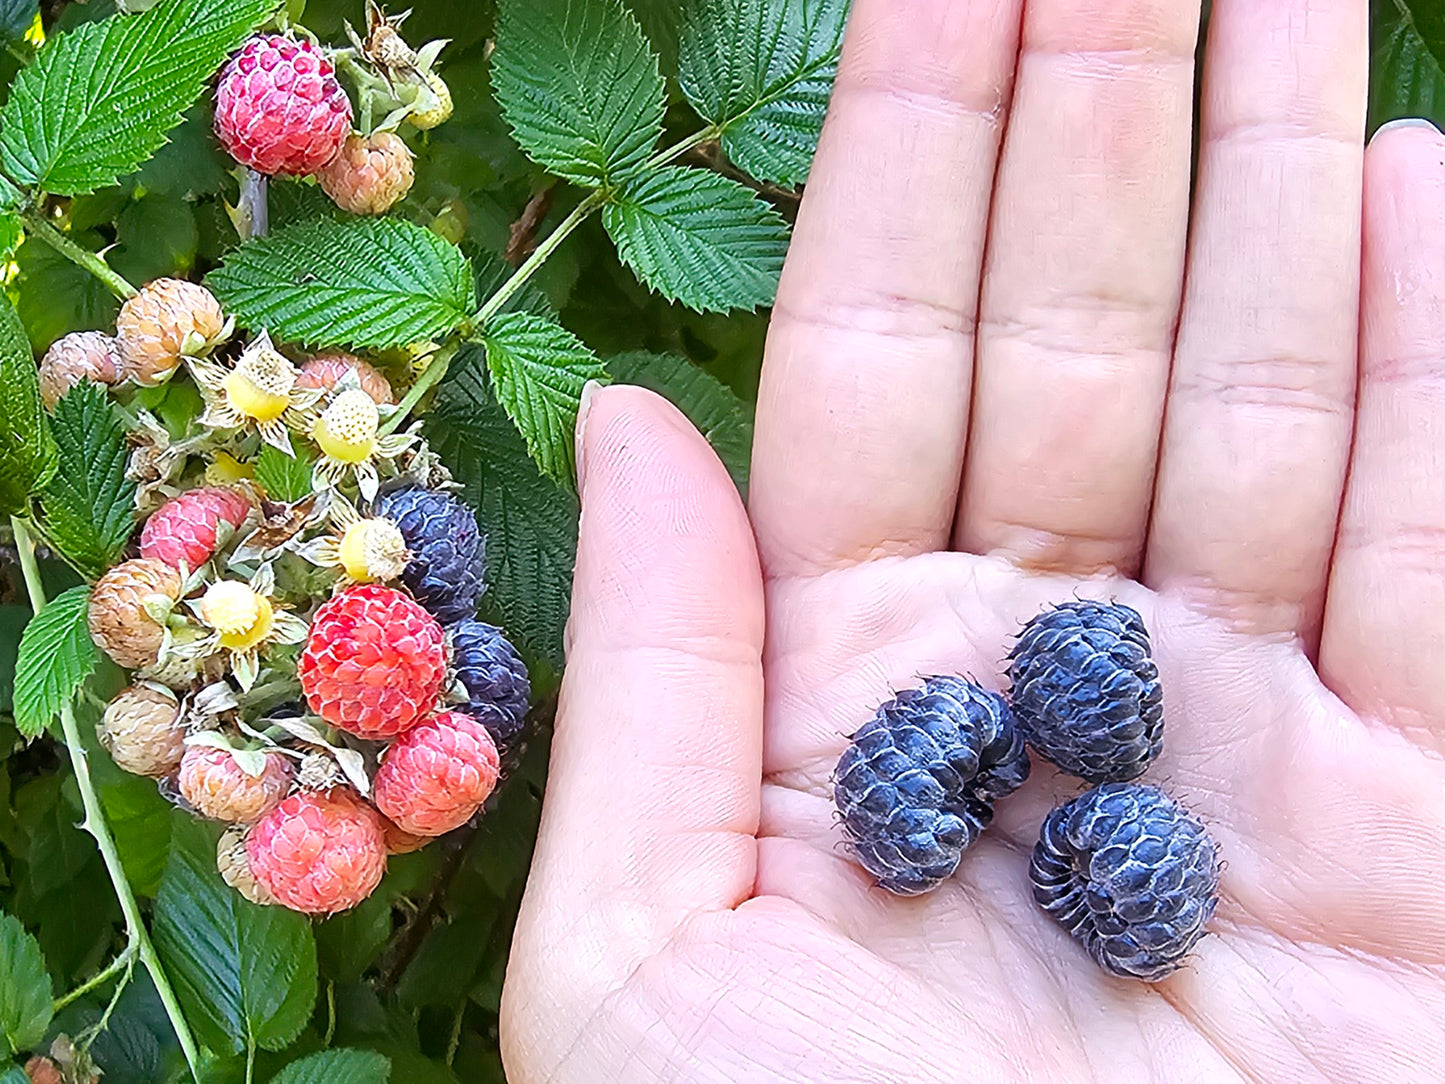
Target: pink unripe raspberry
pixel 436 775
pixel 188 529
pixel 216 785
pixel 81 355
pixel 120 623
pixel 370 175
pixel 374 662
pixel 319 852
pixel 325 370
pixel 280 108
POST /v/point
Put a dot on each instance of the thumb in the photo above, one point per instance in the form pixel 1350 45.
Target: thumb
pixel 652 795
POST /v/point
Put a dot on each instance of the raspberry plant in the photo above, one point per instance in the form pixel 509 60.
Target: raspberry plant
pixel 314 292
pixel 528 194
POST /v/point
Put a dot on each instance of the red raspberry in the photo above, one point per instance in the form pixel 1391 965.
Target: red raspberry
pixel 187 530
pixel 81 355
pixel 374 663
pixel 369 176
pixel 435 776
pixel 280 108
pixel 319 852
pixel 216 785
pixel 120 623
pixel 325 370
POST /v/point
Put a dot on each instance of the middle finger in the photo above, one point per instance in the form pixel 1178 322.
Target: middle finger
pixel 1082 285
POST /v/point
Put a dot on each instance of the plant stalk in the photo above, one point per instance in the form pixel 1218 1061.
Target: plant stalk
pixel 121 961
pixel 94 823
pixel 678 149
pixel 36 225
pixel 539 256
pixel 434 372
pixel 255 210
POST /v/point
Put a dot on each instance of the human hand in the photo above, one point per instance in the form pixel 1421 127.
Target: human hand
pixel 690 915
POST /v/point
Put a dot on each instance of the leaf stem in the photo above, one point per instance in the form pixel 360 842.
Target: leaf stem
pixel 434 372
pixel 81 257
pixel 94 823
pixel 539 256
pixel 123 959
pixel 255 211
pixel 678 149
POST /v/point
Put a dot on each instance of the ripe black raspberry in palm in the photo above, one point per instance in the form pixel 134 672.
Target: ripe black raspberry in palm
pixel 1086 691
pixel 1130 875
pixel 916 787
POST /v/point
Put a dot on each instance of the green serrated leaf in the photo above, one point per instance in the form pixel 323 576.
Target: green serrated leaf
pixel 99 99
pixel 579 86
pixel 24 988
pixel 375 282
pixel 56 297
pixel 56 655
pixel 1407 64
pixel 530 523
pixel 708 403
pixel 240 969
pixel 12 230
pixel 699 238
pixel 538 369
pixel 337 1067
pixel 89 506
pixel 284 477
pixel 27 452
pixel 762 72
pixel 15 1075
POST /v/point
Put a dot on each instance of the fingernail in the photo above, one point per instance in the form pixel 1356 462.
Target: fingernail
pixel 1406 122
pixel 584 407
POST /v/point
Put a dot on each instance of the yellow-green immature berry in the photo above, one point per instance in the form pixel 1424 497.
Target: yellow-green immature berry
pixel 425 119
pixel 346 430
pixel 260 385
pixel 241 617
pixel 372 550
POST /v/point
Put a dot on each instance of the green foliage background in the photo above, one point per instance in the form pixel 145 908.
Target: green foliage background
pixel 415 973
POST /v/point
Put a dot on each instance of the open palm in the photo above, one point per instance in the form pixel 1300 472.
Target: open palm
pixel 983 393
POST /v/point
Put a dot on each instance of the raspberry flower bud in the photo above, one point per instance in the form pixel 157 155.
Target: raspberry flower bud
pixel 435 105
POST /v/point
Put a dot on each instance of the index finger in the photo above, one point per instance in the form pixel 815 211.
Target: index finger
pixel 863 406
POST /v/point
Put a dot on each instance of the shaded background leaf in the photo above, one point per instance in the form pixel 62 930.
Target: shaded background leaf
pixel 530 523
pixel 1407 67
pixel 337 1067
pixel 24 987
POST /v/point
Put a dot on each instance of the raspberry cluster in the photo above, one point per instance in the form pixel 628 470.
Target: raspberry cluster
pixel 353 603
pixel 281 110
pixel 1122 868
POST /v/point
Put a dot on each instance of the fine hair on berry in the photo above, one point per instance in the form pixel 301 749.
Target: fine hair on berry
pixel 1130 875
pixel 916 786
pixel 1086 691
